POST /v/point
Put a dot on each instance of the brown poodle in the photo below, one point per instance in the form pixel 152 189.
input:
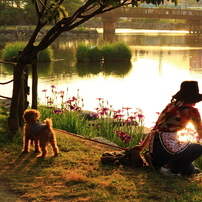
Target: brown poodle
pixel 40 134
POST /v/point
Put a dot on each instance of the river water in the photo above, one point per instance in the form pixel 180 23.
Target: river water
pixel 161 61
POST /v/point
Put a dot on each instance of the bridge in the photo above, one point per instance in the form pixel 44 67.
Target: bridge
pixel 192 17
pixel 167 13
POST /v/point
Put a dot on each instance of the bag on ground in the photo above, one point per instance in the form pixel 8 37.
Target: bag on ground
pixel 129 157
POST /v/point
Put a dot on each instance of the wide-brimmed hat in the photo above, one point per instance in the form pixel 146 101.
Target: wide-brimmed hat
pixel 189 92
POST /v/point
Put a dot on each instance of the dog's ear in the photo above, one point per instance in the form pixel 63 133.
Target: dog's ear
pixel 31 115
pixel 24 114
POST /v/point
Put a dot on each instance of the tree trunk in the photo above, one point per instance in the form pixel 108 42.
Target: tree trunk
pixel 34 85
pixel 23 103
pixel 13 120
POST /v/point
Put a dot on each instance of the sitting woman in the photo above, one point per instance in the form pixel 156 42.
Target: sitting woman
pixel 169 155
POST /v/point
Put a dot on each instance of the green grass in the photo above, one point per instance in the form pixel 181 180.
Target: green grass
pixel 11 51
pixel 114 52
pixel 88 53
pixel 77 174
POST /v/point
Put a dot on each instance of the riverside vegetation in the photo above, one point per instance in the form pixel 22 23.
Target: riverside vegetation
pixel 108 52
pixel 84 53
pixel 11 51
pixel 77 174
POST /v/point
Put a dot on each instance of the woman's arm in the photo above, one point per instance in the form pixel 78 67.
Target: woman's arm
pixel 196 121
pixel 144 144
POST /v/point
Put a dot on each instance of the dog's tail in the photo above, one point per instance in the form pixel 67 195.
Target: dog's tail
pixel 48 122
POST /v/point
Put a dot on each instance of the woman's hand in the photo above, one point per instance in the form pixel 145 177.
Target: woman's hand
pixel 144 144
pixel 138 147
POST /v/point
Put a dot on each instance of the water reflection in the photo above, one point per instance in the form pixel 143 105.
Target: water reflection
pixel 117 68
pixel 107 68
pixel 45 69
pixel 159 64
pixel 195 59
pixel 84 69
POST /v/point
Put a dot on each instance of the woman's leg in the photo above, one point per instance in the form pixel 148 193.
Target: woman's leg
pixel 182 162
pixel 159 155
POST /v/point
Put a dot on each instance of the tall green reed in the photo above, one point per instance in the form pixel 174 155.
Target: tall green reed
pixel 108 52
pixel 117 51
pixel 88 53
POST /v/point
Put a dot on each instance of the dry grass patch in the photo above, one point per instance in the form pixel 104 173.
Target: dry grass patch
pixel 78 175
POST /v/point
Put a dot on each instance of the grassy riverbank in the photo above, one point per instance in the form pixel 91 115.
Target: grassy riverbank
pixel 78 175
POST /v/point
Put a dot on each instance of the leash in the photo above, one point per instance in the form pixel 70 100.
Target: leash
pixel 79 136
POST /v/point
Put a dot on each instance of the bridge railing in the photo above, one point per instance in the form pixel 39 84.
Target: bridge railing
pixel 155 13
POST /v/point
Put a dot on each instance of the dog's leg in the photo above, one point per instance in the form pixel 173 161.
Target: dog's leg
pixel 26 145
pixel 53 143
pixel 43 146
pixel 36 146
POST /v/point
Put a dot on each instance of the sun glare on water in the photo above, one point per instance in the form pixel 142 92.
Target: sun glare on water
pixel 188 134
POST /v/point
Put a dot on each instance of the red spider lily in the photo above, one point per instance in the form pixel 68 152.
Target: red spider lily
pixel 77 108
pixel 50 102
pixel 104 109
pixel 74 98
pixel 57 111
pixel 118 116
pixel 127 108
pixel 44 90
pixel 124 137
pixel 69 101
pixel 71 107
pixel 99 98
pixel 102 113
pixel 74 108
pixel 118 111
pixel 132 118
pixel 140 116
pixel 95 115
pixel 158 113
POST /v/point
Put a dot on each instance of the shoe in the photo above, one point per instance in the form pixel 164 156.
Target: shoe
pixel 167 172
